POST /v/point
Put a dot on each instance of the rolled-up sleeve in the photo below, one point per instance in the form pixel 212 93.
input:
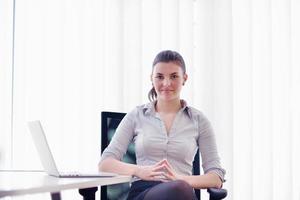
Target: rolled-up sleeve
pixel 208 148
pixel 123 136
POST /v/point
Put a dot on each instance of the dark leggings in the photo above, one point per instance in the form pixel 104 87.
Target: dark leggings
pixel 154 190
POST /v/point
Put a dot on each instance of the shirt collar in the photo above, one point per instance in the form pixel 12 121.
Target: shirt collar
pixel 149 108
pixel 186 108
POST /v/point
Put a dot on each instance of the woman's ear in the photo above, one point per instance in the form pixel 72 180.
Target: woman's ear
pixel 185 77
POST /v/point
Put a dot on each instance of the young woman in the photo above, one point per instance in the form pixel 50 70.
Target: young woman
pixel 167 133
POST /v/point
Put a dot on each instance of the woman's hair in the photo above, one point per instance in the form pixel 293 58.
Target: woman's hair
pixel 166 57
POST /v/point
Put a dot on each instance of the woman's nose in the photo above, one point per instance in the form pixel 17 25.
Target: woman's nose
pixel 167 82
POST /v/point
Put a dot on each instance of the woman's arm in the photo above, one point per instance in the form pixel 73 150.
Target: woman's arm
pixel 209 180
pixel 209 154
pixel 153 172
pixel 116 166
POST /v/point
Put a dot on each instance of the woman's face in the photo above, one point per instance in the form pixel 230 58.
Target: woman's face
pixel 168 79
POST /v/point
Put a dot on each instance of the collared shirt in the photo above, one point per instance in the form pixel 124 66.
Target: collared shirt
pixel 190 130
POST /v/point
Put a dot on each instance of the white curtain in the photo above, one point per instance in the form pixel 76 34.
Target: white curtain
pixel 74 59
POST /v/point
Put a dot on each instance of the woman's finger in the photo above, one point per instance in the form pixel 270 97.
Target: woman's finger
pixel 168 164
pixel 159 168
pixel 157 173
pixel 169 176
pixel 160 162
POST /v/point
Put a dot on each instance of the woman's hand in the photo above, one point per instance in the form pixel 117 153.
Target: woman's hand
pixel 207 180
pixel 169 173
pixel 161 171
pixel 151 173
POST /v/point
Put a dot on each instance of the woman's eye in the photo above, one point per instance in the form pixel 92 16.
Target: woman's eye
pixel 174 76
pixel 159 77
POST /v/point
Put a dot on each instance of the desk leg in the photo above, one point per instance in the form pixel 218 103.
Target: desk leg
pixel 55 196
pixel 88 193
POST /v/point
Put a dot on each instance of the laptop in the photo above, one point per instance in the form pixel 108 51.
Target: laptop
pixel 46 157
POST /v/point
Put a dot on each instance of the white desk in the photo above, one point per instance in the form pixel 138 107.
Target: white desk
pixel 21 183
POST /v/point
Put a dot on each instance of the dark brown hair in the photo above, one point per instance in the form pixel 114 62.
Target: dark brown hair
pixel 166 56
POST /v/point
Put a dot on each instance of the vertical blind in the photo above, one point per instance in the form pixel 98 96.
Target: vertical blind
pixel 74 59
pixel 6 38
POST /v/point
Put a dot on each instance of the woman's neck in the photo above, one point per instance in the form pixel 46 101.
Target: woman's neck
pixel 168 106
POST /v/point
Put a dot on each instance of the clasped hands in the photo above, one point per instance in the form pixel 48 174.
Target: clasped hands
pixel 161 171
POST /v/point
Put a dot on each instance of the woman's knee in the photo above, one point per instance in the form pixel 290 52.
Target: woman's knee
pixel 174 190
pixel 179 190
pixel 181 186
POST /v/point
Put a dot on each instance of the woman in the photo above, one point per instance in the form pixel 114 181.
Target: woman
pixel 167 133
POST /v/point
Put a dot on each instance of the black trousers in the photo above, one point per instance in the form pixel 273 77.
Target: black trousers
pixel 156 190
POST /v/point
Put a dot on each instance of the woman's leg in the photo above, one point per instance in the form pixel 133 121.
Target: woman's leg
pixel 174 190
pixel 139 189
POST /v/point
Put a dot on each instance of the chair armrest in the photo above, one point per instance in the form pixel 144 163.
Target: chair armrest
pixel 216 194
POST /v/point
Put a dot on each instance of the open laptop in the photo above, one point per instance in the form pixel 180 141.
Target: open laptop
pixel 47 159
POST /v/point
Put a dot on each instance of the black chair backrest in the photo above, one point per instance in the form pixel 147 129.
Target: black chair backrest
pixel 109 124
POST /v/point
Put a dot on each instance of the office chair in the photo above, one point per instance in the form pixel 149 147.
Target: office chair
pixel 109 124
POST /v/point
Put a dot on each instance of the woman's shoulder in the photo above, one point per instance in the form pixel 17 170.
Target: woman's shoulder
pixel 196 113
pixel 142 108
pixel 200 119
